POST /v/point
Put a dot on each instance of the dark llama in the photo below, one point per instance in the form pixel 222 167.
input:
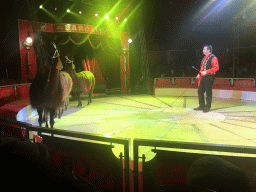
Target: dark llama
pixel 51 87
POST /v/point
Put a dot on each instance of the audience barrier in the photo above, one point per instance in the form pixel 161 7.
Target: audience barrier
pixel 219 83
pixel 78 152
pixel 169 168
pixel 226 88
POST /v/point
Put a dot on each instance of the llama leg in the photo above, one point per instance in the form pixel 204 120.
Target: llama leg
pixel 89 98
pixel 46 117
pixel 40 114
pixel 79 100
pixel 60 112
pixel 66 103
pixel 52 114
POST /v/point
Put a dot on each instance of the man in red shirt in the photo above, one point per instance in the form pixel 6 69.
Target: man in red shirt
pixel 206 76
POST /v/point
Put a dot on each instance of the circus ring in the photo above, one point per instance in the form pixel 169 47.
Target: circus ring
pixel 168 115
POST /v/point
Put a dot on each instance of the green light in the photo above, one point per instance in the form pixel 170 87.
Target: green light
pixel 68 10
pixel 41 6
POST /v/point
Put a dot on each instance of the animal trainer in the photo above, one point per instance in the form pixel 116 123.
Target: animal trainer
pixel 206 76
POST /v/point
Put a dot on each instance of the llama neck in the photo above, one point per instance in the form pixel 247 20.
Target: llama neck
pixel 53 79
pixel 72 73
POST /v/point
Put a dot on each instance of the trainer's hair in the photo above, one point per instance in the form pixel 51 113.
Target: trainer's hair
pixel 209 47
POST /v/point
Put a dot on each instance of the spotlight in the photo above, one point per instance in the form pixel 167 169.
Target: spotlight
pixel 68 10
pixel 80 12
pixel 129 40
pixel 117 18
pixel 106 16
pixel 28 43
pixel 125 20
pixel 55 8
pixel 41 6
pixel 96 15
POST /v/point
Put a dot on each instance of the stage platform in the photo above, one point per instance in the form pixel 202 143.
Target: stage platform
pixel 230 121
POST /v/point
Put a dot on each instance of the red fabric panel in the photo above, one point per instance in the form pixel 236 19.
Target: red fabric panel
pixel 243 84
pixel 23 92
pixel 221 84
pixel 162 83
pixel 6 95
pixel 182 83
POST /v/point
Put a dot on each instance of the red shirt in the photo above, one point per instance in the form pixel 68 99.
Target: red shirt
pixel 214 69
pixel 215 66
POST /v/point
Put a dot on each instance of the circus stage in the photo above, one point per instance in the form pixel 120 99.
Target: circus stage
pixel 230 121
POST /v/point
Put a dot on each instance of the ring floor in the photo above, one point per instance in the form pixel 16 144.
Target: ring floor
pixel 230 122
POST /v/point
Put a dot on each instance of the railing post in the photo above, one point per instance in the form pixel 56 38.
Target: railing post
pixel 192 81
pixel 231 82
pixel 173 80
pixel 136 165
pixel 126 166
pixel 15 92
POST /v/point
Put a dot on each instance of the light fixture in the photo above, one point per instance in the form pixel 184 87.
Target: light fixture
pixel 28 42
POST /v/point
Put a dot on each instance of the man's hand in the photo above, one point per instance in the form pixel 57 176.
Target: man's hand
pixel 203 72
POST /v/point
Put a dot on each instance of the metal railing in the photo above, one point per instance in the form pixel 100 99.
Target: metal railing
pixel 15 88
pixel 181 145
pixel 71 134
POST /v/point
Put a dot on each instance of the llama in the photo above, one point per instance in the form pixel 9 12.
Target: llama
pixel 83 82
pixel 50 88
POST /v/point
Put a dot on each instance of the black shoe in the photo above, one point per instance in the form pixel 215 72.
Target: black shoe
pixel 199 108
pixel 206 109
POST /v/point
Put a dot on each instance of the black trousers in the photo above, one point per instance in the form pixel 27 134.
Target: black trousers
pixel 205 86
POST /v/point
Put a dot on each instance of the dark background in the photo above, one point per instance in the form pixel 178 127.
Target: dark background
pixel 168 25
